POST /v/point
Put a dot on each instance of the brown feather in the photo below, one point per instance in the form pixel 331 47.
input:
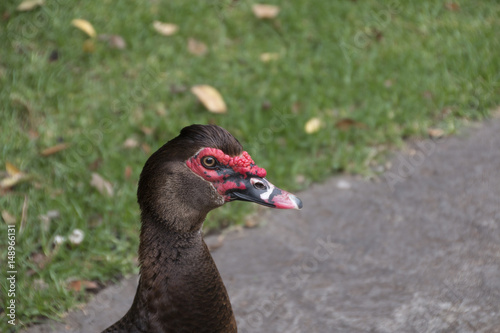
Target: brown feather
pixel 180 289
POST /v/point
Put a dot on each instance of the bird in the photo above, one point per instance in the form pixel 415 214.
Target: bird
pixel 180 288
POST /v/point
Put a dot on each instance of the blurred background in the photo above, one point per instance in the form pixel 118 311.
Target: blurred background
pixel 89 89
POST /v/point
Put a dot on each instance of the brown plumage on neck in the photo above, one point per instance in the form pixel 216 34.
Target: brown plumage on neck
pixel 180 289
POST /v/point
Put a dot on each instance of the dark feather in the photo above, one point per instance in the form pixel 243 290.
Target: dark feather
pixel 180 289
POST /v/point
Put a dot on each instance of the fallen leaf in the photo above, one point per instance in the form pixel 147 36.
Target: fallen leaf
pixel 146 148
pixel 266 57
pixel 88 46
pixel 165 29
pixel 29 5
pixel 75 285
pixel 12 181
pixel 130 143
pixel 262 11
pixel 210 98
pixel 435 132
pixel 39 259
pixel 452 6
pixel 128 172
pixel 348 123
pixel 11 169
pixel 147 130
pixel 8 218
pixel 15 176
pixel 24 214
pixel 84 26
pixel 54 149
pixel 102 185
pixel 90 285
pixel 114 41
pixel 196 47
pixel 313 125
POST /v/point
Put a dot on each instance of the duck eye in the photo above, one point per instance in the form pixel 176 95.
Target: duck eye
pixel 208 161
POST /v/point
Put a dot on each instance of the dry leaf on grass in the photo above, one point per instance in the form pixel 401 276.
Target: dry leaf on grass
pixel 128 172
pixel 102 185
pixel 146 148
pixel 14 176
pixel 29 5
pixel 78 284
pixel 24 214
pixel 130 143
pixel 262 11
pixel 84 26
pixel 54 149
pixel 40 259
pixel 165 29
pixel 114 41
pixel 88 46
pixel 75 285
pixel 8 218
pixel 196 47
pixel 147 130
pixel 452 6
pixel 266 57
pixel 435 132
pixel 210 98
pixel 11 169
pixel 348 123
pixel 313 125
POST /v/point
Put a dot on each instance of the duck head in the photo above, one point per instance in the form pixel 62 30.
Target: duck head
pixel 199 170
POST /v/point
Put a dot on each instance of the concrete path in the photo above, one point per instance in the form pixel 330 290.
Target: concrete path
pixel 417 251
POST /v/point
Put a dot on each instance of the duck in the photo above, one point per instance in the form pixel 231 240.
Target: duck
pixel 180 288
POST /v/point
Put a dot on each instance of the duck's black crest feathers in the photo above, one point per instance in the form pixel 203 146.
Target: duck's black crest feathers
pixel 194 137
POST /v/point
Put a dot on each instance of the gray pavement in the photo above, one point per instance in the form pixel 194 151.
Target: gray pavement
pixel 416 251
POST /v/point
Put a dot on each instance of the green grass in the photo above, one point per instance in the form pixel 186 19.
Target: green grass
pixel 399 69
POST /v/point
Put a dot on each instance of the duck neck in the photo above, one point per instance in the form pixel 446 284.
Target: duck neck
pixel 179 282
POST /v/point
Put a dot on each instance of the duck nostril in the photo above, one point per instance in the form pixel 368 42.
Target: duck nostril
pixel 260 186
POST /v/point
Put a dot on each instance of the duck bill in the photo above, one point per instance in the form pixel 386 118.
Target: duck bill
pixel 262 192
